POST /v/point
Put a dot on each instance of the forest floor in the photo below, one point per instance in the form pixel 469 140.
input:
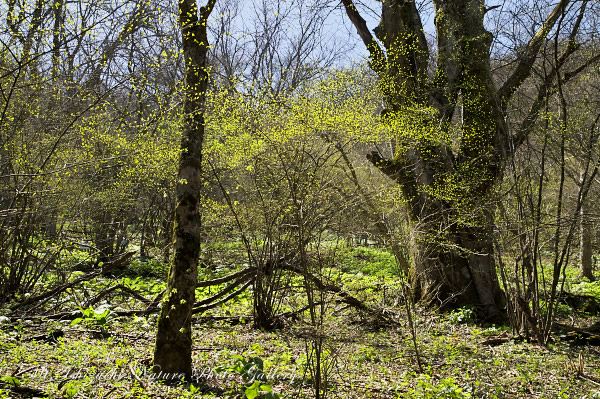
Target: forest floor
pixel 455 358
pixel 458 360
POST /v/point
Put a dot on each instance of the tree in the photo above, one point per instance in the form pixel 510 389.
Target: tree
pixel 585 239
pixel 173 348
pixel 454 140
pixel 48 111
pixel 275 48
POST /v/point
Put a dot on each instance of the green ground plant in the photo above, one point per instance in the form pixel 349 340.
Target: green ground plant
pixel 99 317
pixel 254 376
pixel 370 362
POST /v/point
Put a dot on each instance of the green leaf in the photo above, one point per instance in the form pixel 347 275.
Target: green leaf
pixel 252 391
pixel 11 380
pixel 89 312
pixel 257 362
pixel 265 387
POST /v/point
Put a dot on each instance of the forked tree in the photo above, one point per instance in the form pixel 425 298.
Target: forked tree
pixel 173 348
pixel 449 116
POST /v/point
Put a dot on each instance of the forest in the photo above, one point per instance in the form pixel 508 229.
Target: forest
pixel 299 199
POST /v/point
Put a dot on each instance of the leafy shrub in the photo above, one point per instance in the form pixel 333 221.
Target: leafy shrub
pixel 96 317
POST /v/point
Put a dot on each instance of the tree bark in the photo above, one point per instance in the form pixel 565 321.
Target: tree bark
pixel 448 184
pixel 173 348
pixel 457 268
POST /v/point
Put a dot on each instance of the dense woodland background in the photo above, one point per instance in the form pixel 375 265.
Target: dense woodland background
pixel 347 198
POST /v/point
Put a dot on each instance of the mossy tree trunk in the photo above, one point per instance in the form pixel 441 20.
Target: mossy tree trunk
pixel 452 140
pixel 173 348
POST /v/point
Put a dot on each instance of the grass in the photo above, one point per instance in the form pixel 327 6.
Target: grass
pixel 460 359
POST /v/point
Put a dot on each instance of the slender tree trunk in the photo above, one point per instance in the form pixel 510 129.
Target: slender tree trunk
pixel 103 238
pixel 166 241
pixel 143 236
pixel 173 348
pixel 585 231
pixel 56 36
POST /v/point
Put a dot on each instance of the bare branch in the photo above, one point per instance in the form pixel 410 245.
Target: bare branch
pixel 527 59
pixel 132 25
pixel 121 287
pixel 225 279
pixel 377 55
pixel 228 289
pixel 201 309
pixel 547 89
pixel 345 297
pixel 107 267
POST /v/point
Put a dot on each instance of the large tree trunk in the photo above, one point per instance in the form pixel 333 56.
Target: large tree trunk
pixel 173 348
pixel 447 180
pixel 457 268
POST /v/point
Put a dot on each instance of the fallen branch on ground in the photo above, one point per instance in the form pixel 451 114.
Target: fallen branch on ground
pixel 106 267
pixel 121 287
pixel 345 297
pixel 240 281
pixel 201 309
pixel 228 289
pixel 225 279
pixel 245 319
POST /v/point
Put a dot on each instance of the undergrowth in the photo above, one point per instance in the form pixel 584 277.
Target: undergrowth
pixel 102 355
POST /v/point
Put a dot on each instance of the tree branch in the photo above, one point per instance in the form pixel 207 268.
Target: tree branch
pixel 129 29
pixel 523 68
pixel 344 296
pixel 226 290
pixel 225 279
pixel 206 10
pixel 121 287
pixel 546 90
pixel 378 59
pixel 201 309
